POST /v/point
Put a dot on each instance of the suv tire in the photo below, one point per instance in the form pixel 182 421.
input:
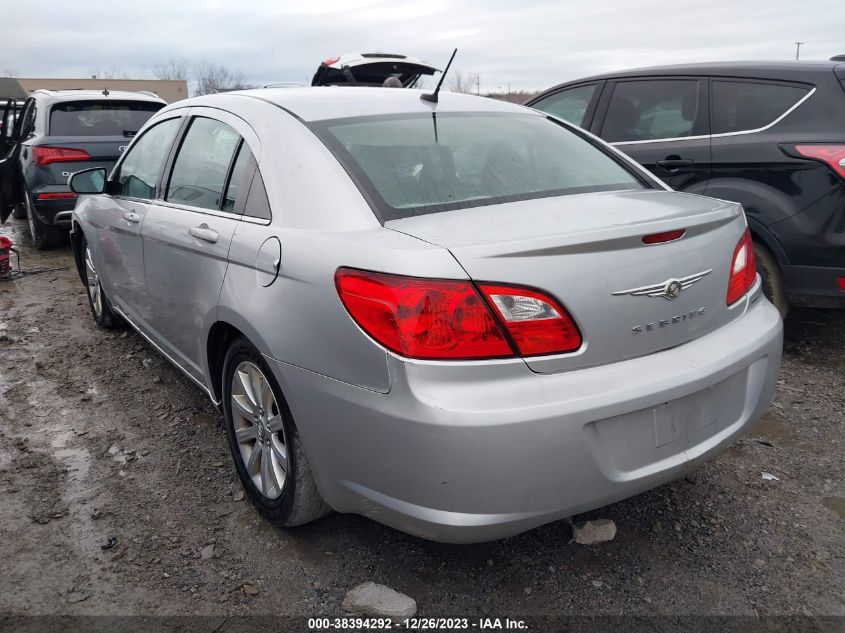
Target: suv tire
pixel 43 236
pixel 772 279
pixel 262 423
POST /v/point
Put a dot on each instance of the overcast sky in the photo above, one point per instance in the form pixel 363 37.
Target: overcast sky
pixel 526 44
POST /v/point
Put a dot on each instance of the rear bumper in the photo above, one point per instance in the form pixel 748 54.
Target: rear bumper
pixel 56 212
pixel 814 286
pixel 479 451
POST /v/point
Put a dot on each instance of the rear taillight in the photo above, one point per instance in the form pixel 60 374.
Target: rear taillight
pixel 833 155
pixel 840 281
pixel 450 320
pixel 743 270
pixel 331 60
pixel 536 322
pixel 56 195
pixel 47 155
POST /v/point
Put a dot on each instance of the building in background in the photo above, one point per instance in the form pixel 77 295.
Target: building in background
pixel 169 90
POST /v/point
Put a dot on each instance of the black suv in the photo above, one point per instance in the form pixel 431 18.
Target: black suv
pixel 768 135
pixel 55 134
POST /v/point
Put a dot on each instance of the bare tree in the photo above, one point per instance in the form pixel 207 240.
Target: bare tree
pixel 174 68
pixel 212 77
pixel 112 72
pixel 9 72
pixel 460 81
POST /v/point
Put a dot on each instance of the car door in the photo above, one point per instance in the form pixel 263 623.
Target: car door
pixel 574 104
pixel 187 234
pixel 16 127
pixel 117 219
pixel 663 124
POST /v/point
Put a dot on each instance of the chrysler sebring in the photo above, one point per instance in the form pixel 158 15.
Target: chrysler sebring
pixel 461 318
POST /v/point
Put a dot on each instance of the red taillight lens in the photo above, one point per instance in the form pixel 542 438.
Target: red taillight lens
pixel 743 269
pixel 536 322
pixel 47 155
pixel 422 318
pixel 840 281
pixel 56 195
pixel 833 155
pixel 331 60
pixel 666 236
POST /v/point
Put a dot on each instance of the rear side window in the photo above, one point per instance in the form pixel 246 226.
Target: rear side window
pixel 140 170
pixel 569 105
pixel 100 118
pixel 203 163
pixel 740 106
pixel 420 164
pixel 651 110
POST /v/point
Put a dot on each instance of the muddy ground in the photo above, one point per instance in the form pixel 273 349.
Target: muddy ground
pixel 118 496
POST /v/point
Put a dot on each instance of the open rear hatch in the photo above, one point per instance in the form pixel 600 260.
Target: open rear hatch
pixel 371 69
pixel 628 298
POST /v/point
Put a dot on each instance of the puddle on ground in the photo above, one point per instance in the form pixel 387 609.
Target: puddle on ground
pixel 773 427
pixel 837 504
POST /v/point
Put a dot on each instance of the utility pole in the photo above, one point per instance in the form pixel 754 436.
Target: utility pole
pixel 798 49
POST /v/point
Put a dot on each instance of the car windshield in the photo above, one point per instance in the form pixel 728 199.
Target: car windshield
pixel 100 118
pixel 410 165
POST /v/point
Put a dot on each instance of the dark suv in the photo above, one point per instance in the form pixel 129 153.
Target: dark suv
pixel 55 134
pixel 768 135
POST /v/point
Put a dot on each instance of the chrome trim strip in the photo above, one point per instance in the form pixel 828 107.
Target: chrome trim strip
pixel 166 355
pixel 698 137
pixel 63 215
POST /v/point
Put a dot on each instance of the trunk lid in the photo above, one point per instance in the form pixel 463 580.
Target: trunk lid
pixel 371 69
pixel 103 151
pixel 587 251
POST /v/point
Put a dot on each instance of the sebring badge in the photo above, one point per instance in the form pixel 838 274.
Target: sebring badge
pixel 669 289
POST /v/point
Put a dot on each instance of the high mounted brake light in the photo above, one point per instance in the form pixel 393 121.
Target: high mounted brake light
pixel 450 320
pixel 743 270
pixel 47 155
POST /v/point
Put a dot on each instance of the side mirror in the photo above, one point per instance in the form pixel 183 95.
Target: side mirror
pixel 88 180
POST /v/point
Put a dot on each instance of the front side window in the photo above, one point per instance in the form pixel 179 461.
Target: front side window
pixel 569 105
pixel 100 118
pixel 650 110
pixel 740 106
pixel 202 164
pixel 419 164
pixel 139 173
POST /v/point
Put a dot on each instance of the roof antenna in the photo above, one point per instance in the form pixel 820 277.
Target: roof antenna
pixel 433 96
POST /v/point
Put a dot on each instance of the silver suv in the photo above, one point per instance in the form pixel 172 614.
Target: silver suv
pixel 460 318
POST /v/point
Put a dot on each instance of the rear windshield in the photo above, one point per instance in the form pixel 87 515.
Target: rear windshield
pixel 100 118
pixel 410 165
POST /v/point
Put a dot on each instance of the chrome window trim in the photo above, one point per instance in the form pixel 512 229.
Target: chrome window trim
pixel 699 137
pixel 214 212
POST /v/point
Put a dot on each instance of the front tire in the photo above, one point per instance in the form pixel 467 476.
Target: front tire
pixel 264 441
pixel 101 309
pixel 771 278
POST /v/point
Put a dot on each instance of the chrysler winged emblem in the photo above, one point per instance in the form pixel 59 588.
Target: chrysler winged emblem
pixel 669 289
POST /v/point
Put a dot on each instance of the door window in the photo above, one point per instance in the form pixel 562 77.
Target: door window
pixel 653 109
pixel 202 164
pixel 139 173
pixel 569 105
pixel 741 106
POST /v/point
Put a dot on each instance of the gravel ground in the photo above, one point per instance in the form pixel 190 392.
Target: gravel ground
pixel 118 496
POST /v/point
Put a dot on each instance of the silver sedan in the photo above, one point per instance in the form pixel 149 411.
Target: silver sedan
pixel 462 318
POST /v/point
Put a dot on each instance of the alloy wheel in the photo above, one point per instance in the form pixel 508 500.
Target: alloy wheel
pixel 258 427
pixel 95 291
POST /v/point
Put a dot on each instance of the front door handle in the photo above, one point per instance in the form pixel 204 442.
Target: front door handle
pixel 132 217
pixel 672 162
pixel 202 232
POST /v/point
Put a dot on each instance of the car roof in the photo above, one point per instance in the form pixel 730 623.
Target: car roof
pixel 331 102
pixel 98 95
pixel 750 69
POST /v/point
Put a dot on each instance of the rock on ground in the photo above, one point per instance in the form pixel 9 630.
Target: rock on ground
pixel 369 598
pixel 593 532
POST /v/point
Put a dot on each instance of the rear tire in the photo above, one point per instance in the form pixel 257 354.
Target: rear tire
pixel 43 236
pixel 101 309
pixel 19 211
pixel 771 278
pixel 264 441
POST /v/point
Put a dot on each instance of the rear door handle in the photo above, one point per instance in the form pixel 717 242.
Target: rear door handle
pixel 130 216
pixel 675 163
pixel 202 232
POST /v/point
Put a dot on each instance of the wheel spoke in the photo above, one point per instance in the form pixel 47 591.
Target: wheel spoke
pixel 267 398
pixel 269 485
pixel 280 454
pixel 243 407
pixel 246 434
pixel 254 457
